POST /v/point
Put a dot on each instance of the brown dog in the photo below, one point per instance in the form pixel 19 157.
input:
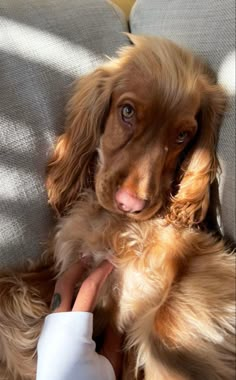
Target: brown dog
pixel 132 174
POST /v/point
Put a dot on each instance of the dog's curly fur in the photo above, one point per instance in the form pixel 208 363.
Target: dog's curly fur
pixel 172 291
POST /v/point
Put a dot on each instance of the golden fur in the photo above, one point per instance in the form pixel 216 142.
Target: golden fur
pixel 172 291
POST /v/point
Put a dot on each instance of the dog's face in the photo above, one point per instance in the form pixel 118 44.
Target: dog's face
pixel 142 132
pixel 143 138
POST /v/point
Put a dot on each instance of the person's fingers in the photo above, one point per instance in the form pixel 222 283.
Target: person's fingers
pixel 89 291
pixel 112 349
pixel 64 288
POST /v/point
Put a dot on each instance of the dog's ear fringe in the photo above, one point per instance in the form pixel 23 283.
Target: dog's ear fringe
pixel 199 169
pixel 70 169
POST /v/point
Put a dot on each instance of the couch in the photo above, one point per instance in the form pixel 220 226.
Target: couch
pixel 44 47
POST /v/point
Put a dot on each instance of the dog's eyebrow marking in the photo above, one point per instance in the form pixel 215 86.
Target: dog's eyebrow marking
pixel 130 96
pixel 166 148
pixel 56 301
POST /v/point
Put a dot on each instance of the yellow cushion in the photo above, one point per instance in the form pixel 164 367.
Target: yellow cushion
pixel 125 5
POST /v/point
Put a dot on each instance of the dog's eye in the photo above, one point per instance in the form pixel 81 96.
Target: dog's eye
pixel 182 136
pixel 127 112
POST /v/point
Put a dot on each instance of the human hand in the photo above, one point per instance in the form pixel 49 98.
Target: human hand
pixel 86 301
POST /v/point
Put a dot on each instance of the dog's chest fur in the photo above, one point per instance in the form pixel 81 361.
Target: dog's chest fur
pixel 144 265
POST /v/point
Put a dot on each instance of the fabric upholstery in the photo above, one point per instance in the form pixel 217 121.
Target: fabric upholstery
pixel 208 29
pixel 44 46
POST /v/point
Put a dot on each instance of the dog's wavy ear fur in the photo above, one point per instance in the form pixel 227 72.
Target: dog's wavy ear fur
pixel 199 168
pixel 70 169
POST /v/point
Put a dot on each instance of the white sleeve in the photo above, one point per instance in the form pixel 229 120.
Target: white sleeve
pixel 66 350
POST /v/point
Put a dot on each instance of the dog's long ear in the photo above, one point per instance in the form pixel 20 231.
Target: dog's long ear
pixel 70 169
pixel 199 169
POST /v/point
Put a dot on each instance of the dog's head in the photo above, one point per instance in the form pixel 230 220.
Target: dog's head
pixel 142 131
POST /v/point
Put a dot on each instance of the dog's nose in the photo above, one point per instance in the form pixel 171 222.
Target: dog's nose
pixel 128 202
